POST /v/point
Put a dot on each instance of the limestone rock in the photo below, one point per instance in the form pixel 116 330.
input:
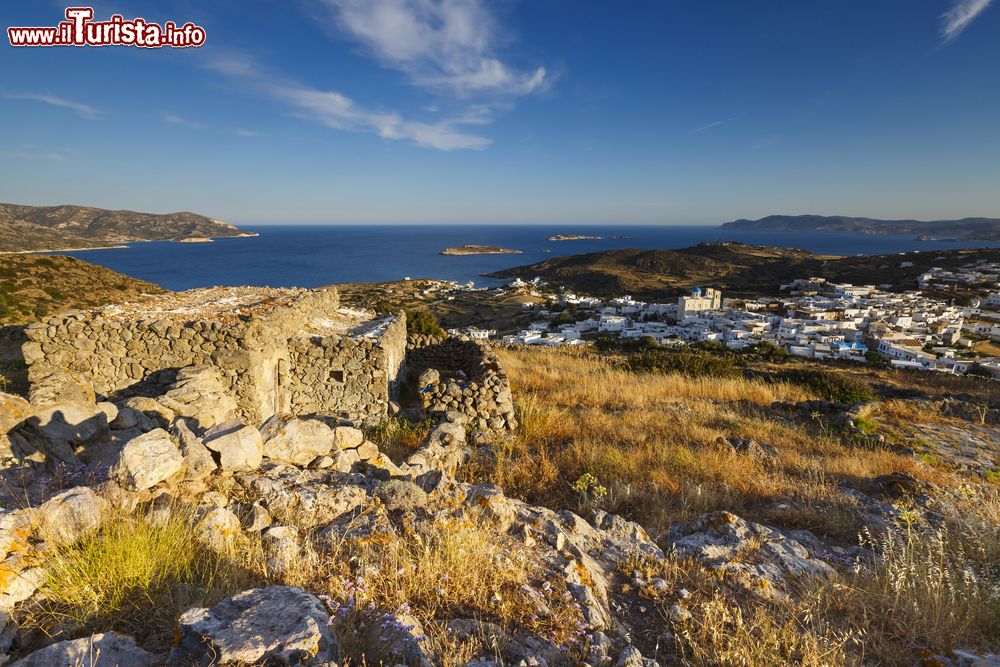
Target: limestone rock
pixel 147 460
pixel 198 460
pixel 128 418
pixel 257 520
pixel 769 558
pixel 281 548
pixel 218 529
pixel 59 386
pixel 296 441
pixel 239 446
pixel 18 581
pixel 198 394
pixel 427 378
pixel 110 410
pixel 631 657
pixel 347 437
pixel 161 415
pixel 52 434
pixel 15 528
pixel 276 625
pixel 72 514
pixel 312 497
pixel 399 494
pixel 13 410
pixel 109 649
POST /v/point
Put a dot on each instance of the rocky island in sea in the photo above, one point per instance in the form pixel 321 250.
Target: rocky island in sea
pixel 574 237
pixel 471 249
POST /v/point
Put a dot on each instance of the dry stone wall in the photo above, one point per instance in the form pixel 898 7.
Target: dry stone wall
pixel 471 382
pixel 355 377
pixel 249 334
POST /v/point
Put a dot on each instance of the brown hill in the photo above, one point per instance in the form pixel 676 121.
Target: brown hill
pixel 33 286
pixel 58 227
pixel 738 268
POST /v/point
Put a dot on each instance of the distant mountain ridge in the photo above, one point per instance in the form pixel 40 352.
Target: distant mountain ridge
pixel 24 228
pixel 966 229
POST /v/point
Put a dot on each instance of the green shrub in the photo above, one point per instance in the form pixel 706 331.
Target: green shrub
pixel 832 386
pixel 867 426
pixel 424 323
pixel 767 351
pixel 688 361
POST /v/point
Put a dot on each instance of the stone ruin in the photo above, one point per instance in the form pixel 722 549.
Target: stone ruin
pixel 461 379
pixel 276 351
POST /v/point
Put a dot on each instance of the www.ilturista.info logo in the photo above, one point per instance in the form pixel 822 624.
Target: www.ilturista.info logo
pixel 79 29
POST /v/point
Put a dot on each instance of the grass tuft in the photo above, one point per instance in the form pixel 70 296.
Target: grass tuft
pixel 137 576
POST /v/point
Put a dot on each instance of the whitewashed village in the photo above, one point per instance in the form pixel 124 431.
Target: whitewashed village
pixel 812 318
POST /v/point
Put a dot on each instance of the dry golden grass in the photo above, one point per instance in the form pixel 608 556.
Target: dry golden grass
pixel 934 585
pixel 136 575
pixel 397 438
pixel 452 569
pixel 651 440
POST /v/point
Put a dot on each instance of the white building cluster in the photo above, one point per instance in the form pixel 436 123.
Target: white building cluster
pixel 818 319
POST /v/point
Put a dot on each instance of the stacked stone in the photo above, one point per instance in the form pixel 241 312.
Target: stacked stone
pixel 259 345
pixel 420 341
pixel 347 376
pixel 484 396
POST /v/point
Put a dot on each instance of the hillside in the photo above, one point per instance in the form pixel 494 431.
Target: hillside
pixel 25 228
pixel 735 267
pixel 966 229
pixel 33 286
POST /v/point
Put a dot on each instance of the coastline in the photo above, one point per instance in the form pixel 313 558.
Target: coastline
pixel 124 244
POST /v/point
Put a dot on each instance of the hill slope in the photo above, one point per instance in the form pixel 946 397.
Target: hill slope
pixel 57 227
pixel 32 286
pixel 738 268
pixel 967 229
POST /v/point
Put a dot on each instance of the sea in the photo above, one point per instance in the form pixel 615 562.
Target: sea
pixel 315 255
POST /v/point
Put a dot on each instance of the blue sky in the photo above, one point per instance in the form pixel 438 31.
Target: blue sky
pixel 548 111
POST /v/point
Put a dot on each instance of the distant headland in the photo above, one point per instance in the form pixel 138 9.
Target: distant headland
pixel 47 228
pixel 966 229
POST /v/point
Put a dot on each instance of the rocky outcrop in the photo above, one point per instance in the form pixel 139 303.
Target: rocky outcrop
pixel 237 446
pixel 296 441
pixel 63 421
pixel 65 518
pixel 766 559
pixel 109 649
pixel 147 460
pixel 445 450
pixel 279 625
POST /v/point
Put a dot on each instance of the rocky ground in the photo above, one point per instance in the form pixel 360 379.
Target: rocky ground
pixel 159 530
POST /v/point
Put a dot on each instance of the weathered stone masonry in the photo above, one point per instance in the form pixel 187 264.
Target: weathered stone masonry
pixel 277 350
pixel 472 381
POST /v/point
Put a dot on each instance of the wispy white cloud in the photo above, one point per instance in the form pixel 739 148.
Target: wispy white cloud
pixel 174 119
pixel 36 155
pixel 243 132
pixel 338 111
pixel 710 126
pixel 82 110
pixel 960 16
pixel 441 44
